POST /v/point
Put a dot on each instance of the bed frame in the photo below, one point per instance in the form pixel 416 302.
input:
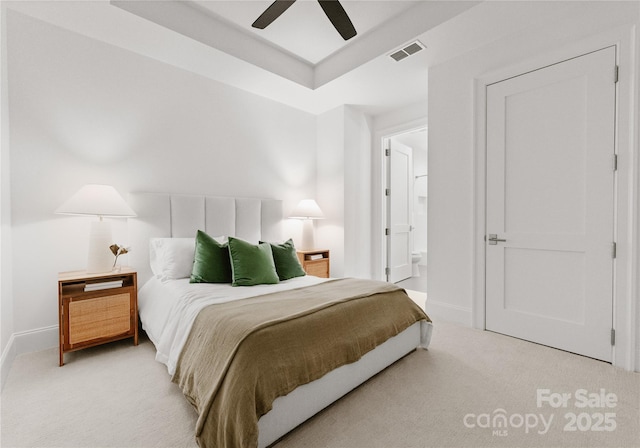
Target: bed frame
pixel 176 215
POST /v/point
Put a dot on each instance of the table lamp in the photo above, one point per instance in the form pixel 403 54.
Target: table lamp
pixel 307 210
pixel 101 201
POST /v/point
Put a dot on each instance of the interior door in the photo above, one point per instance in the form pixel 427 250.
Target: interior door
pixel 399 206
pixel 550 212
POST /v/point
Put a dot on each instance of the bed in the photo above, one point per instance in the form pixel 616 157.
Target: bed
pixel 175 314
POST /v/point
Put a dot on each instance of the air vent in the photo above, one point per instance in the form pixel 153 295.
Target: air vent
pixel 407 51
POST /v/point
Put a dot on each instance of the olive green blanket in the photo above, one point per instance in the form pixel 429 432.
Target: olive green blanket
pixel 240 356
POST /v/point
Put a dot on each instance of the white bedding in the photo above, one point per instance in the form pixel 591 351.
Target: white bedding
pixel 168 308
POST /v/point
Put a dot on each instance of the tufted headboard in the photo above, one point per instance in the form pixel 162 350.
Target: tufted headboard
pixel 181 216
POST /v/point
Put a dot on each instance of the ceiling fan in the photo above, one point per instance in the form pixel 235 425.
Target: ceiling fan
pixel 332 8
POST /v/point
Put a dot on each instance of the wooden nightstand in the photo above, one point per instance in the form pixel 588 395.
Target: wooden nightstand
pixel 91 313
pixel 315 262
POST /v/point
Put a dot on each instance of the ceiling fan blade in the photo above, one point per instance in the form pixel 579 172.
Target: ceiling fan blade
pixel 272 13
pixel 339 18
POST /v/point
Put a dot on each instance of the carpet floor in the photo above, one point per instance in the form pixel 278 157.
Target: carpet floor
pixel 470 389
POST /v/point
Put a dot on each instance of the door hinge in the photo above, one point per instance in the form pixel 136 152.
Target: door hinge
pixel 614 250
pixel 613 336
pixel 615 162
pixel 616 74
pixel 387 271
pixel 387 152
pixel 387 232
pixel 387 191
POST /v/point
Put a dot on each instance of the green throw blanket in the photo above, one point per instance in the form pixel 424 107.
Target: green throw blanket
pixel 240 356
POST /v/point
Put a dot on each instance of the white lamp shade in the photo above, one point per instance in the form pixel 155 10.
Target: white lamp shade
pixel 100 200
pixel 307 209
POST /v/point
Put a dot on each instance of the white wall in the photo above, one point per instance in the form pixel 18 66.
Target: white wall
pixel 357 162
pixel 344 190
pixel 635 266
pixel 86 112
pixel 330 232
pixel 6 291
pixel 452 138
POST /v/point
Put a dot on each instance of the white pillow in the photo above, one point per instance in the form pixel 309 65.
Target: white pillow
pixel 171 258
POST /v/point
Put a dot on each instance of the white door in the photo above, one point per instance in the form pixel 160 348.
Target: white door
pixel 400 166
pixel 550 195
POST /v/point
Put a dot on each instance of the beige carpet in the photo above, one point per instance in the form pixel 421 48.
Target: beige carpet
pixel 118 396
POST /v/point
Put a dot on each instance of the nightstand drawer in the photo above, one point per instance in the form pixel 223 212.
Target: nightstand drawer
pixel 319 268
pixel 98 318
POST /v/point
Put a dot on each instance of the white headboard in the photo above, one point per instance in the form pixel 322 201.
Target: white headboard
pixel 181 216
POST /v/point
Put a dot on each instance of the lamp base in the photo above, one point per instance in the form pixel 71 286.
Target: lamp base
pixel 100 257
pixel 308 240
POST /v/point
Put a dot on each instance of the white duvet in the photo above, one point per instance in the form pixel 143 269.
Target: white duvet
pixel 168 308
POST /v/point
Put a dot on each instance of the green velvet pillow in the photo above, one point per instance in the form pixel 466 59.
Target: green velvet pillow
pixel 251 264
pixel 286 260
pixel 211 263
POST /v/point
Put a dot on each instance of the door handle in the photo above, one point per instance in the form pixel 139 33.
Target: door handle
pixel 493 239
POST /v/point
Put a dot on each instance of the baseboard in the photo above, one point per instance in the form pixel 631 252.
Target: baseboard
pixel 450 313
pixel 27 342
pixel 37 340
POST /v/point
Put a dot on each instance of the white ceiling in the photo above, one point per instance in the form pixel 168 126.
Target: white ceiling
pixel 304 30
pixel 213 40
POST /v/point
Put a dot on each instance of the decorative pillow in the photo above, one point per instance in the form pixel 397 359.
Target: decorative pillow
pixel 171 258
pixel 251 264
pixel 211 262
pixel 286 260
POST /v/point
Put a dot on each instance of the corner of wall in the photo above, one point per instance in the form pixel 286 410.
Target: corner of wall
pixel 6 284
pixel 6 361
pixel 26 342
pixel 344 190
pixel 635 263
pixel 358 193
pixel 330 181
pixel 449 313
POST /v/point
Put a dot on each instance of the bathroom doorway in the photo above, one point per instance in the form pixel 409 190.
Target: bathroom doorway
pixel 406 194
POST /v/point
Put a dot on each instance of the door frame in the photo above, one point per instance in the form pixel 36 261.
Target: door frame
pixel 626 278
pixel 379 198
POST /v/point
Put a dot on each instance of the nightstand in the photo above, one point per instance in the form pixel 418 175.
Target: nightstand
pixel 315 262
pixel 94 309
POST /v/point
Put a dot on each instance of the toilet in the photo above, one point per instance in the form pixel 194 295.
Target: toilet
pixel 415 259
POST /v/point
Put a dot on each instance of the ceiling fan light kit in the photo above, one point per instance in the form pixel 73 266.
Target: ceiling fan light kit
pixel 332 8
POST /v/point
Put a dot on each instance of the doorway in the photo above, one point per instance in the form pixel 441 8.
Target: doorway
pixel 550 151
pixel 406 195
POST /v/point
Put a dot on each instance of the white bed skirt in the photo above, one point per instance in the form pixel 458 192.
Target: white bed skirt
pixel 307 400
